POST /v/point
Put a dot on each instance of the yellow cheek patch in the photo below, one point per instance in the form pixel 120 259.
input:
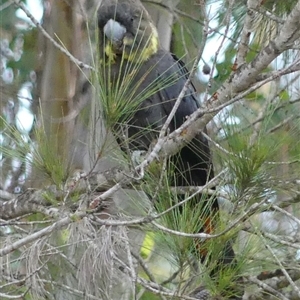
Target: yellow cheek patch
pixel 110 52
pixel 138 55
pixel 147 52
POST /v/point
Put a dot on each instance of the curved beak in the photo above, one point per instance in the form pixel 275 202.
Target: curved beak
pixel 115 32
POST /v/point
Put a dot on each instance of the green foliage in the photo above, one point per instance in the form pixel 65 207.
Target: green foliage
pixel 187 30
pixel 47 160
pixel 252 155
pixel 190 217
pixel 40 154
pixel 8 16
pixel 248 161
pixel 224 68
pixel 120 91
pixel 121 97
pixel 264 29
pixel 14 136
pixel 27 61
pixel 158 183
pixel 280 8
pixel 247 165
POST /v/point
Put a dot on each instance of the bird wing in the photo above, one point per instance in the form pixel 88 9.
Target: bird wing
pixel 194 159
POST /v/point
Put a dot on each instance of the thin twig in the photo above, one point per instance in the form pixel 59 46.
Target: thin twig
pixel 286 274
pixel 76 61
pixel 185 87
pixel 292 217
pixel 267 288
pixel 246 32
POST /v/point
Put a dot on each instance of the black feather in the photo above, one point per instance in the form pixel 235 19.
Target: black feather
pixel 158 81
pixel 193 161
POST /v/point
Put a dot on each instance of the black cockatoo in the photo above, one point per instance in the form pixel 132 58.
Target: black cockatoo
pixel 149 80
